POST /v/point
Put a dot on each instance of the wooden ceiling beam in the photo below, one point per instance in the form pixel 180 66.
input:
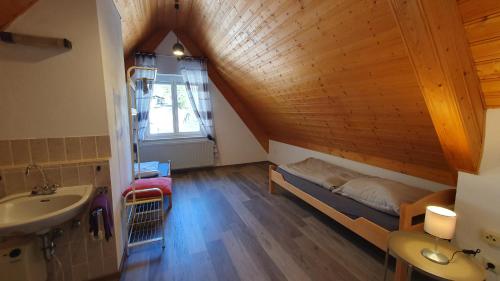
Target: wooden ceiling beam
pixel 229 94
pixel 437 47
pixel 11 9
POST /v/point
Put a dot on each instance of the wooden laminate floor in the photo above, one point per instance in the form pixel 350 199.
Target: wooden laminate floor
pixel 225 226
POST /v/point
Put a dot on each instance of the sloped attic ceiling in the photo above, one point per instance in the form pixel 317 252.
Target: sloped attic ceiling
pixel 317 77
pixel 335 76
pixel 11 9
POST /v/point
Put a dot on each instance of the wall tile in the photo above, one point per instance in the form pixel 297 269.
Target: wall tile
pixel 95 258
pixel 80 272
pixel 102 175
pixel 64 255
pixel 103 146
pixel 2 185
pixel 78 252
pixel 65 238
pixel 53 175
pixel 20 151
pixel 33 179
pixel 82 258
pixel 5 153
pixel 69 175
pixel 110 266
pixel 14 181
pixel 96 268
pixel 108 248
pixel 89 147
pixel 86 174
pixel 73 149
pixel 39 150
pixel 57 150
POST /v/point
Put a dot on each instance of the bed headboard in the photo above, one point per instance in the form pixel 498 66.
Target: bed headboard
pixel 444 198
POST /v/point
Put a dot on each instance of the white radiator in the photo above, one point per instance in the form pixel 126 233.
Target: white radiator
pixel 184 154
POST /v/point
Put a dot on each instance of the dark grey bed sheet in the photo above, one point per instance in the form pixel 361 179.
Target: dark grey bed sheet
pixel 345 205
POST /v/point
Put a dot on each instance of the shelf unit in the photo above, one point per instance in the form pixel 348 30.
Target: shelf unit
pixel 145 222
pixel 145 219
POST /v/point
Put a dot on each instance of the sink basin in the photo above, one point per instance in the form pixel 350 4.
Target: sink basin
pixel 24 213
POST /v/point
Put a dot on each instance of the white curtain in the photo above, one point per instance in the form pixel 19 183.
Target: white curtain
pixel 195 75
pixel 144 80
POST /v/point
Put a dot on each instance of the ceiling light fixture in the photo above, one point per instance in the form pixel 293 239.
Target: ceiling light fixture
pixel 177 48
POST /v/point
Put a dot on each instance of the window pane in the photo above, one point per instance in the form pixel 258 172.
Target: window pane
pixel 160 110
pixel 188 123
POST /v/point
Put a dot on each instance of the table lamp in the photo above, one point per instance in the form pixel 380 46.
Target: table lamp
pixel 440 223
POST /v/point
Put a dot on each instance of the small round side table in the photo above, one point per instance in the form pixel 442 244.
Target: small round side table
pixel 407 246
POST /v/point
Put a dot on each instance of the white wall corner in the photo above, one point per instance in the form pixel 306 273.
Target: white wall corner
pixel 478 196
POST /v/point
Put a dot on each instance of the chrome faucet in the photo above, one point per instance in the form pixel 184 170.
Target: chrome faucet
pixel 46 188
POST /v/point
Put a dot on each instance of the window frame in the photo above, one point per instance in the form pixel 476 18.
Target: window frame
pixel 174 80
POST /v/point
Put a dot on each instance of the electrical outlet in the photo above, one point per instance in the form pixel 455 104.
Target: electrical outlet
pixel 491 238
pixel 486 261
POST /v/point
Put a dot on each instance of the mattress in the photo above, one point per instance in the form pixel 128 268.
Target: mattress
pixel 147 169
pixel 345 205
pixel 153 169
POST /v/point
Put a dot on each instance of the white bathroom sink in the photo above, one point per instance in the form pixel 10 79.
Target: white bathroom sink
pixel 24 213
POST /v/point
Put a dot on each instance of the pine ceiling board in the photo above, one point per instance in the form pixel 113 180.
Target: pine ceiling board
pixel 165 14
pixel 141 19
pixel 488 69
pixel 321 60
pixel 343 31
pixel 11 9
pixel 482 26
pixel 138 21
pixel 476 9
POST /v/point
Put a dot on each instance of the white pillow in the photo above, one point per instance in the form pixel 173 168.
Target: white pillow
pixel 320 172
pixel 381 194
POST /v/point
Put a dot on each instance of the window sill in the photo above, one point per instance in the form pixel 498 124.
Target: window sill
pixel 174 140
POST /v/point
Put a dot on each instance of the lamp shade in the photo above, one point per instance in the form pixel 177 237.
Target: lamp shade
pixel 178 49
pixel 440 222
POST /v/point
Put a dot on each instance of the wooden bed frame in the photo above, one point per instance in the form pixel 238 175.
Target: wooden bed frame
pixel 370 231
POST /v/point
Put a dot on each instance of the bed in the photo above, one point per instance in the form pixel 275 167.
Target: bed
pixel 368 223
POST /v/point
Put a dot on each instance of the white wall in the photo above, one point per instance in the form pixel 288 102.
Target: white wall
pixel 61 95
pixel 117 111
pixel 73 93
pixel 281 153
pixel 235 142
pixel 478 196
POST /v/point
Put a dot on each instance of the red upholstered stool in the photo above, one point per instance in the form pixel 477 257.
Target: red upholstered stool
pixel 163 183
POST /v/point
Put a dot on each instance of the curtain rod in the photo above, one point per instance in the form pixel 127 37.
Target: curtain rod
pixel 184 57
pixel 169 56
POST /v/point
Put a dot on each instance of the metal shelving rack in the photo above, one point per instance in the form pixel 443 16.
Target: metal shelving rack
pixel 145 222
pixel 145 218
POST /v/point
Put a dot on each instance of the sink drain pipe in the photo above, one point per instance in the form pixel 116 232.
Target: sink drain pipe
pixel 48 244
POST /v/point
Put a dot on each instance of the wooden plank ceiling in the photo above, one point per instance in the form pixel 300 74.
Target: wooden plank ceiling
pixel 11 9
pixel 143 19
pixel 482 25
pixel 333 76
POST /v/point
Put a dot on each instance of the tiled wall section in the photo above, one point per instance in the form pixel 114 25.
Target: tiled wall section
pixel 57 155
pixel 71 149
pixel 82 257
pixel 66 161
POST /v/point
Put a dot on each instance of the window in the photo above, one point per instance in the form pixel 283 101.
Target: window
pixel 170 112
